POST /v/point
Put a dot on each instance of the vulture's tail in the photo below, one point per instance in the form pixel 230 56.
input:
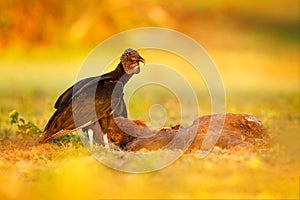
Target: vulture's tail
pixel 48 136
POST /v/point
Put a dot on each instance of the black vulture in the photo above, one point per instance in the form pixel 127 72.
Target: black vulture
pixel 93 99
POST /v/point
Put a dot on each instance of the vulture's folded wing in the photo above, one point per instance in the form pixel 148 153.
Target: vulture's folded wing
pixel 95 100
pixel 65 97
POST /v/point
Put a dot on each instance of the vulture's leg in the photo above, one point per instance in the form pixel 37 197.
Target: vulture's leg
pixel 90 134
pixel 104 123
pixel 94 133
pixel 105 139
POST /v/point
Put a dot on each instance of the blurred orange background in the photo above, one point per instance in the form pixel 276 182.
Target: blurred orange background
pixel 260 38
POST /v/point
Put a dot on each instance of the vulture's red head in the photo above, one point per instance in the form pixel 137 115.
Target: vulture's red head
pixel 130 60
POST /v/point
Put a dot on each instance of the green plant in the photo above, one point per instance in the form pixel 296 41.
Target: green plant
pixel 24 129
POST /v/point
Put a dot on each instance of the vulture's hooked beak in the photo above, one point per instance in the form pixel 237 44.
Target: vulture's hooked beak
pixel 142 60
